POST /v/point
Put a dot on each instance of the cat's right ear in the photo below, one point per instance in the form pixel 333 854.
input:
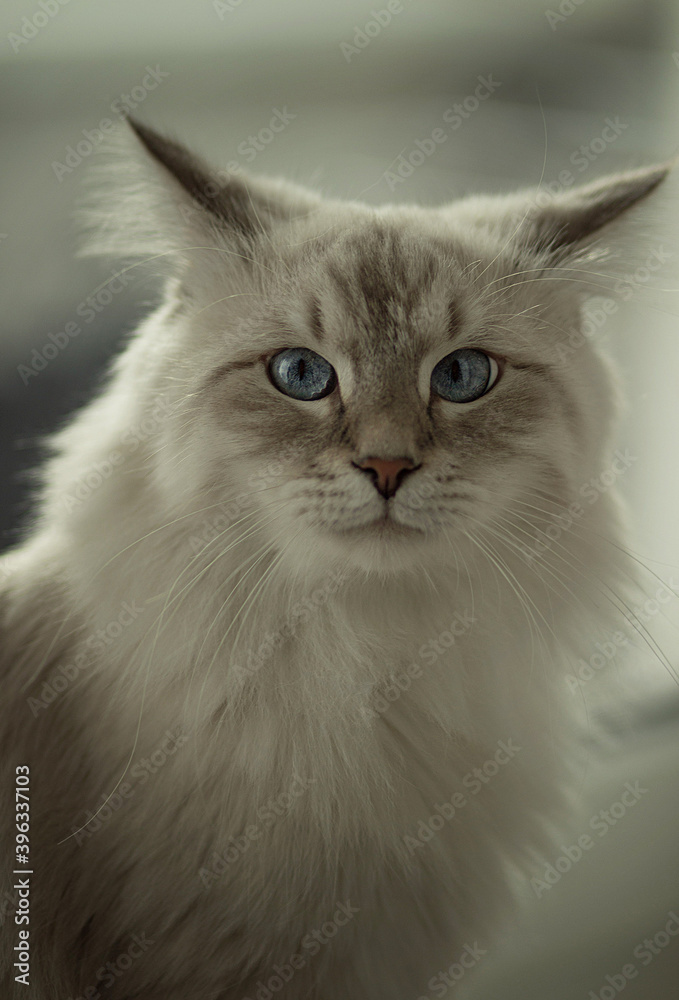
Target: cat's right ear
pixel 152 198
pixel 581 223
pixel 573 219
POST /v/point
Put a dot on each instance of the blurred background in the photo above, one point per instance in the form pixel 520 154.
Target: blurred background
pixel 578 89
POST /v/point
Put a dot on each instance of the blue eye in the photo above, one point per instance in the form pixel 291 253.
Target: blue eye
pixel 464 375
pixel 302 374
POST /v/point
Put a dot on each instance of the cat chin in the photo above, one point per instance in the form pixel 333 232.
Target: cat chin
pixel 381 547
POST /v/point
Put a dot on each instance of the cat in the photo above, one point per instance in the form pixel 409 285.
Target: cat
pixel 284 649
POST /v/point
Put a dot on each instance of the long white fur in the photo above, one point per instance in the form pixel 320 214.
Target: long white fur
pixel 306 711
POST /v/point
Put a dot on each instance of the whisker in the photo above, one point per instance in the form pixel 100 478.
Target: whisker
pixel 604 589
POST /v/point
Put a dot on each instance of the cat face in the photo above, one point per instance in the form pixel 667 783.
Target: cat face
pixel 402 369
pixel 435 402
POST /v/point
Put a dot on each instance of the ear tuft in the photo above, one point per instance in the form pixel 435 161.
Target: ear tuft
pixel 227 200
pixel 573 217
pixel 151 198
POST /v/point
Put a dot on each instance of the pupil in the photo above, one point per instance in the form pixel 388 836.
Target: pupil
pixel 301 367
pixel 455 371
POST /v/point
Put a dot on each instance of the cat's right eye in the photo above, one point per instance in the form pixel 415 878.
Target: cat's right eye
pixel 302 374
pixel 465 375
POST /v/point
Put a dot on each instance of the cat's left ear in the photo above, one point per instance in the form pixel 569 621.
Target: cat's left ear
pixel 243 206
pixel 573 218
pixel 154 199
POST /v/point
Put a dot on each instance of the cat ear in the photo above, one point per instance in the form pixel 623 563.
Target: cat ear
pixel 571 219
pixel 228 202
pixel 152 197
pixel 562 223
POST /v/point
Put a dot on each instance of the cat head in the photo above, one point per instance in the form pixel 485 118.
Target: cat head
pixel 377 385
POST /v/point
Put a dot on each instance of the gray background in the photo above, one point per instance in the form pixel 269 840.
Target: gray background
pixel 560 83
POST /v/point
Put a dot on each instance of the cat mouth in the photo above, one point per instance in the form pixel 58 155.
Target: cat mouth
pixel 385 526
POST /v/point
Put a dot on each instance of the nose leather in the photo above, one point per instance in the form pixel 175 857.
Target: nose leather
pixel 387 473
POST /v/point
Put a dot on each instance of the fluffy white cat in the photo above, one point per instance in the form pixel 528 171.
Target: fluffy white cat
pixel 283 654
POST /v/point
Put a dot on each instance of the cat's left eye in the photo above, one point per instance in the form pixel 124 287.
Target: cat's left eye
pixel 464 375
pixel 302 374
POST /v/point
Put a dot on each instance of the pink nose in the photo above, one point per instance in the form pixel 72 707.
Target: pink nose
pixel 387 473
